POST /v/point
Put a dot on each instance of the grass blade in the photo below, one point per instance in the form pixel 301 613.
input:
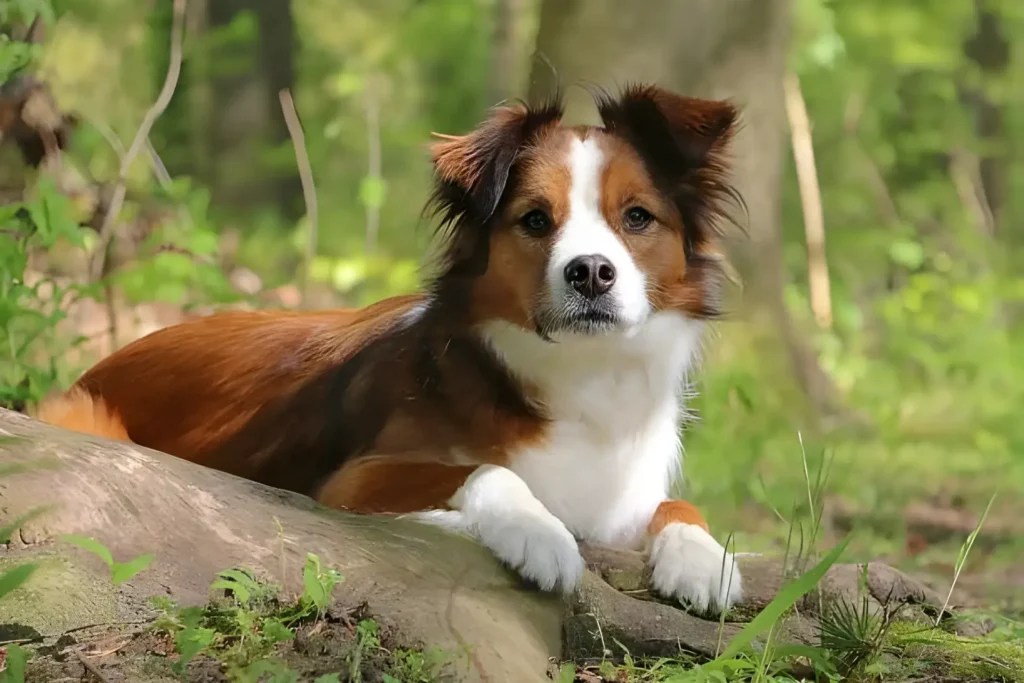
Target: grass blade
pixel 961 559
pixel 786 598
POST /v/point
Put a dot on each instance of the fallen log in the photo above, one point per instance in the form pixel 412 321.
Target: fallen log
pixel 424 586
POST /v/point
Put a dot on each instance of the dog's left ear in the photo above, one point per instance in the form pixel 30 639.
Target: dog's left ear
pixel 678 135
pixel 684 142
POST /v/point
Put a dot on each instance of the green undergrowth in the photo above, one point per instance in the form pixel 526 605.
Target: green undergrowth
pixel 857 645
pixel 255 636
pixel 247 633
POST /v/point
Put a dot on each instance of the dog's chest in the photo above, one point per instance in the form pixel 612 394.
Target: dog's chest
pixel 607 459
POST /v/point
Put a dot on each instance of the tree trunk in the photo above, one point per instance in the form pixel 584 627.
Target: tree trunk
pixel 707 48
pixel 989 49
pixel 506 57
pixel 246 116
pixel 423 585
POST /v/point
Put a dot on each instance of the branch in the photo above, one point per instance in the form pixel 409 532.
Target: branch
pixel 99 256
pixel 810 198
pixel 291 119
pixel 965 170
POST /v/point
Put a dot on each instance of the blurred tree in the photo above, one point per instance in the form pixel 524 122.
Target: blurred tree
pixel 245 105
pixel 506 58
pixel 988 48
pixel 225 124
pixel 712 48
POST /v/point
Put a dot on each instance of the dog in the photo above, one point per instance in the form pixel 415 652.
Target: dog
pixel 530 396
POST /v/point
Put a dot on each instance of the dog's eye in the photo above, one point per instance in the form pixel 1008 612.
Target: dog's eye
pixel 637 218
pixel 536 223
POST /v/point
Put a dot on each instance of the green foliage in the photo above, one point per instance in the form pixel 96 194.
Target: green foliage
pixel 119 571
pixel 29 313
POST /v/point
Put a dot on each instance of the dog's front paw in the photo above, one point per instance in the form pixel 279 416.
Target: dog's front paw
pixel 689 565
pixel 536 544
pixel 496 507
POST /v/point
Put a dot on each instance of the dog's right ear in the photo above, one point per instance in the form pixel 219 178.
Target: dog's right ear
pixel 471 171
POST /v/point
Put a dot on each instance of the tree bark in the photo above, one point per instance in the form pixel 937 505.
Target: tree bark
pixel 425 586
pixel 707 48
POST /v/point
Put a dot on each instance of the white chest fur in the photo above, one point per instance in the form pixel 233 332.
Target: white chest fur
pixel 612 451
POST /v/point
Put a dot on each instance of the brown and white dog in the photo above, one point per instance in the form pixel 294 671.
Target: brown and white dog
pixel 531 397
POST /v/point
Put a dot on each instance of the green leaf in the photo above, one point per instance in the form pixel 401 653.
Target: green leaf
pixel 336 678
pixel 17 657
pixel 240 592
pixel 189 642
pixel 242 584
pixel 123 571
pixel 907 253
pixel 93 546
pixel 313 589
pixel 276 632
pixel 12 578
pixel 785 599
pixel 567 673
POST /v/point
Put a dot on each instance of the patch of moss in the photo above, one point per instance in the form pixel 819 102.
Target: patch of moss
pixel 967 659
pixel 59 596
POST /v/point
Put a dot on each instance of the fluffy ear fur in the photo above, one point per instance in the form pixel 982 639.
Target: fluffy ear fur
pixel 684 142
pixel 472 172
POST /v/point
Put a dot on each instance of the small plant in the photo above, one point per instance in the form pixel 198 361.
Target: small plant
pixel 119 571
pixel 852 634
pixel 244 634
pixel 318 585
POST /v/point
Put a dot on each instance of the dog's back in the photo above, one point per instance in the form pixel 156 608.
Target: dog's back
pixel 186 388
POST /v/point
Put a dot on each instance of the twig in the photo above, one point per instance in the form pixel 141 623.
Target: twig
pixel 810 197
pixel 91 668
pixel 291 119
pixel 99 256
pixel 964 168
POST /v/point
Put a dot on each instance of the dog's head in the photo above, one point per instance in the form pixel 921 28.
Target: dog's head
pixel 586 230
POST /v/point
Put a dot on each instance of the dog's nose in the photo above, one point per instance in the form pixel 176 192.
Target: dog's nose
pixel 591 275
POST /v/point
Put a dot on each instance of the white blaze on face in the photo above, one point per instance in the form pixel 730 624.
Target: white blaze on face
pixel 586 232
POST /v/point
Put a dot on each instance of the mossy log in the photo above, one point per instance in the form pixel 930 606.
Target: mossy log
pixel 425 586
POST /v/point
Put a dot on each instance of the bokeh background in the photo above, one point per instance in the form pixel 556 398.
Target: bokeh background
pixel 872 373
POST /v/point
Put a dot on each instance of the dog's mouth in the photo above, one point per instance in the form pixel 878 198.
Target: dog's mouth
pixel 575 317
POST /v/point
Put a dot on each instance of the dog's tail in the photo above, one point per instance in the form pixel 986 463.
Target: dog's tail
pixel 80 411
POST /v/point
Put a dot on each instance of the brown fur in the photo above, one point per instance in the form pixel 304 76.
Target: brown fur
pixel 183 389
pixel 392 485
pixel 675 512
pixel 79 411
